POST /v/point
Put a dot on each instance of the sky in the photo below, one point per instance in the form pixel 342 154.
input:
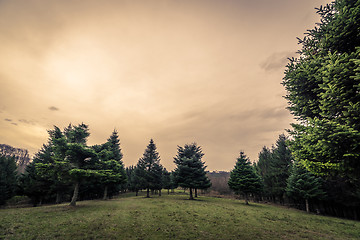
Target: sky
pixel 176 71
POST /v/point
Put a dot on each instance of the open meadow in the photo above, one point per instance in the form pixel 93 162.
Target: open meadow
pixel 170 217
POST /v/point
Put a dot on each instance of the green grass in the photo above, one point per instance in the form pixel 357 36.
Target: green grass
pixel 170 217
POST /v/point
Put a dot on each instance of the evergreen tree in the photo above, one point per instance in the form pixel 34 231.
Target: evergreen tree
pixel 48 173
pixel 138 178
pixel 166 180
pixel 243 178
pixel 113 145
pixel 303 185
pixel 8 178
pixel 280 166
pixel 72 155
pixel 150 168
pixel 323 93
pixel 190 170
pixel 263 169
pixel 110 166
pixel 274 168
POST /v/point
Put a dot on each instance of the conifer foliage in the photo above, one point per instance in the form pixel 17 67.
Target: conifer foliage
pixel 67 160
pixel 243 178
pixel 8 178
pixel 323 93
pixel 303 185
pixel 149 169
pixel 190 170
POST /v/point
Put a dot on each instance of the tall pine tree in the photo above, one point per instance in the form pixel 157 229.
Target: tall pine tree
pixel 323 93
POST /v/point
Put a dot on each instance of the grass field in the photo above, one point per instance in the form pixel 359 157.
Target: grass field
pixel 170 217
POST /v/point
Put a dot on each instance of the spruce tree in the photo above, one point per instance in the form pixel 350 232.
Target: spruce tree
pixel 166 180
pixel 73 156
pixel 190 170
pixel 138 178
pixel 323 93
pixel 113 145
pixel 263 169
pixel 303 185
pixel 150 168
pixel 109 165
pixel 280 166
pixel 243 178
pixel 8 178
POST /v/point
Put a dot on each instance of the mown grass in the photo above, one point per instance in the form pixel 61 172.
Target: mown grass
pixel 170 217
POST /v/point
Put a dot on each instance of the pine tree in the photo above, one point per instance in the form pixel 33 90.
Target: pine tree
pixel 190 170
pixel 166 180
pixel 263 169
pixel 8 178
pixel 138 178
pixel 323 93
pixel 303 185
pixel 110 166
pixel 73 156
pixel 280 166
pixel 149 166
pixel 113 145
pixel 243 178
pixel 49 173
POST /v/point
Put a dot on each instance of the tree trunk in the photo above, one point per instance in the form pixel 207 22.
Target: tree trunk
pixel 160 192
pixel 168 191
pixel 196 195
pixel 75 195
pixel 105 193
pixel 136 192
pixel 58 197
pixel 246 199
pixel 307 205
pixel 191 194
pixel 148 192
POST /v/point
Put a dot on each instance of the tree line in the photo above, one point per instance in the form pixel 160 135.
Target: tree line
pixel 279 178
pixel 321 161
pixel 66 168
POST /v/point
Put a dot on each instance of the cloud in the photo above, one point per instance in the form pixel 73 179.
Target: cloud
pixel 14 124
pixel 27 121
pixel 8 120
pixel 276 61
pixel 52 108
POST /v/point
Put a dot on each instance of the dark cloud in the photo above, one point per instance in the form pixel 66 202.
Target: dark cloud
pixel 276 61
pixel 8 120
pixel 14 124
pixel 26 121
pixel 52 108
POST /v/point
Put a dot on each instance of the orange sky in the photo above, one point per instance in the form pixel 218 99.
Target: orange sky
pixel 205 71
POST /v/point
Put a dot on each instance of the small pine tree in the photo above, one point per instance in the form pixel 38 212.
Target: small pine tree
pixel 303 185
pixel 152 169
pixel 244 179
pixel 190 170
